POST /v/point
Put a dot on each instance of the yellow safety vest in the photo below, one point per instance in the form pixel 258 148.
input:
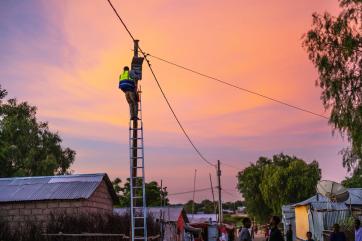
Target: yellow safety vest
pixel 124 76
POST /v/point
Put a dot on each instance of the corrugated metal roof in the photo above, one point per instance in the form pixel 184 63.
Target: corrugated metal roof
pixel 65 187
pixel 320 202
pixel 201 218
pixel 355 196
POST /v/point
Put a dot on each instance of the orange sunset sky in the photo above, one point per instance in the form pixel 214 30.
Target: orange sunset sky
pixel 65 58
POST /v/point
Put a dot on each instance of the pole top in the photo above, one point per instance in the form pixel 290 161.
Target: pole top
pixel 135 47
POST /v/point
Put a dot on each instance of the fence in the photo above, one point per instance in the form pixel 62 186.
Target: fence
pixel 92 237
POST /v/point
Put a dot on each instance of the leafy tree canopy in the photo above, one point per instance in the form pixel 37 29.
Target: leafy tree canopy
pixel 27 146
pixel 270 183
pixel 153 193
pixel 334 45
pixel 355 181
pixel 208 207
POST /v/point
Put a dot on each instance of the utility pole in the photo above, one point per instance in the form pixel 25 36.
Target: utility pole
pixel 193 195
pixel 218 172
pixel 161 194
pixel 213 196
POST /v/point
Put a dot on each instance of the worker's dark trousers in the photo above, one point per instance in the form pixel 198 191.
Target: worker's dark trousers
pixel 131 97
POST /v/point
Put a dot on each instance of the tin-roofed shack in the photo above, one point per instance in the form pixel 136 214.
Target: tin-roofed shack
pixel 318 213
pixel 25 199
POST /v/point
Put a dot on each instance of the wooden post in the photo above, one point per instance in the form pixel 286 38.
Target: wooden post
pixel 193 195
pixel 213 196
pixel 219 189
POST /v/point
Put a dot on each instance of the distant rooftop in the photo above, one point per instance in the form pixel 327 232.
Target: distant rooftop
pixel 202 218
pixel 63 187
pixel 168 213
pixel 320 202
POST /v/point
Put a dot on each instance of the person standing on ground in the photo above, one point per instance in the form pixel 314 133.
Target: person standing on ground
pixel 252 232
pixel 309 236
pixel 358 230
pixel 128 86
pixel 289 234
pixel 275 234
pixel 244 233
pixel 337 235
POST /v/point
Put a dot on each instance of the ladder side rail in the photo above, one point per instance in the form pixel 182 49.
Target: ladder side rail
pixel 144 191
pixel 131 181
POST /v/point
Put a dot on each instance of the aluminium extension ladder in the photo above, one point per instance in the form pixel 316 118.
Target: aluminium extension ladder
pixel 137 177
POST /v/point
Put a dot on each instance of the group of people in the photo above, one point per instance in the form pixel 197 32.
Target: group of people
pixel 274 234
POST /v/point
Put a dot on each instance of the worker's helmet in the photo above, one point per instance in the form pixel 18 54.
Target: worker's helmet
pixel 125 68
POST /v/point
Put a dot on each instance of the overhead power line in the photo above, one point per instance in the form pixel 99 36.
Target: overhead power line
pixel 176 118
pixel 228 191
pixel 238 87
pixel 231 166
pixel 187 192
pixel 163 93
pixel 120 19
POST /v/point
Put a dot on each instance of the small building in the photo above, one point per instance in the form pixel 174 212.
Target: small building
pixel 173 221
pixel 318 213
pixel 34 199
pixel 288 218
pixel 202 218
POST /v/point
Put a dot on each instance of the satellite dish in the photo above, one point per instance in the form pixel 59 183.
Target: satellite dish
pixel 332 190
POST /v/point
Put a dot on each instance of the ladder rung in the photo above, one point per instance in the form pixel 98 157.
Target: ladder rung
pixel 137 187
pixel 139 138
pixel 137 197
pixel 136 148
pixel 137 167
pixel 138 217
pixel 136 129
pixel 140 157
pixel 139 238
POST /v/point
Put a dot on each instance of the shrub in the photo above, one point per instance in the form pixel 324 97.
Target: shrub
pixel 73 224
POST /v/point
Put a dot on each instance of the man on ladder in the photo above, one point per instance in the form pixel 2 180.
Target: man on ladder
pixel 128 86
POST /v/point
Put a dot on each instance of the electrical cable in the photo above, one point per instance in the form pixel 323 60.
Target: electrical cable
pixel 201 190
pixel 231 166
pixel 176 118
pixel 163 93
pixel 229 193
pixel 187 192
pixel 120 19
pixel 238 87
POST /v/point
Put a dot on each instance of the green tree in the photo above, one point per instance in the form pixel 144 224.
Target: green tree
pixel 153 193
pixel 270 183
pixel 248 184
pixel 188 207
pixel 28 147
pixel 117 185
pixel 334 45
pixel 355 180
pixel 207 206
pixel 288 180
